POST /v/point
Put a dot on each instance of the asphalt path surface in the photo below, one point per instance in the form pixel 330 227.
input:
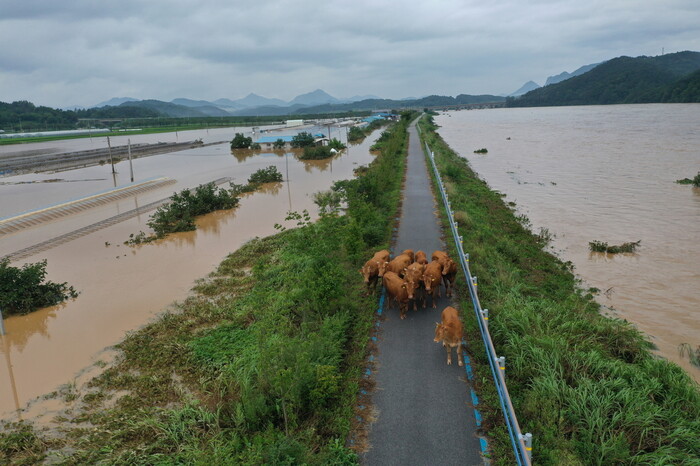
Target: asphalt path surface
pixel 423 406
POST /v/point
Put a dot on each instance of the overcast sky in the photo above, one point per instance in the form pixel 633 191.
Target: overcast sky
pixel 61 53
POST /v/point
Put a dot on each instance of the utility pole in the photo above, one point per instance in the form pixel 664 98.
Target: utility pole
pixel 131 165
pixel 109 145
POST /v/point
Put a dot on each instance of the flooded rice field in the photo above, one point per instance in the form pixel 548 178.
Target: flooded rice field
pixel 605 173
pixel 121 287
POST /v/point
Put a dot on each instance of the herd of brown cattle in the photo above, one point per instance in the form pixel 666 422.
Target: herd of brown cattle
pixel 410 277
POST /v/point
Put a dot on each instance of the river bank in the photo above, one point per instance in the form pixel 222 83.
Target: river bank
pixel 586 386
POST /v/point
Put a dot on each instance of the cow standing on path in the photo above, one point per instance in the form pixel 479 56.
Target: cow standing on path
pixel 432 278
pixel 414 283
pixel 449 332
pixel 398 265
pixel 371 270
pixel 396 289
pixel 449 270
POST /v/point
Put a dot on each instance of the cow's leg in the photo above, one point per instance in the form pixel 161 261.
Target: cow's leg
pixel 434 300
pixel 460 358
pixel 403 307
pixel 448 348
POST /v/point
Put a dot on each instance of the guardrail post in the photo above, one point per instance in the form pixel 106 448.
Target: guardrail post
pixel 2 324
pixel 466 257
pixel 527 439
pixel 461 240
pixel 485 315
pixel 474 280
pixel 502 365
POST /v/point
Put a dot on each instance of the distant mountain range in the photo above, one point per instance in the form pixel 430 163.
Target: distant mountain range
pixel 673 77
pixel 314 102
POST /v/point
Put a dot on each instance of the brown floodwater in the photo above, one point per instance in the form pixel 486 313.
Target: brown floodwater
pixel 605 173
pixel 121 287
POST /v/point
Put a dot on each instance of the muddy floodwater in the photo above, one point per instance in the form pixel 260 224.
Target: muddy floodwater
pixel 605 173
pixel 121 287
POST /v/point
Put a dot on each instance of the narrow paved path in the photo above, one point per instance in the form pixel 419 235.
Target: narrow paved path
pixel 423 406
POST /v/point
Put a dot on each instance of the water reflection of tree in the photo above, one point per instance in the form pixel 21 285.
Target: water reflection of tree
pixel 21 328
pixel 320 165
pixel 244 154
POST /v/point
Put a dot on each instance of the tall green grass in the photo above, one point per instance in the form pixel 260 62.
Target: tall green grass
pixel 262 364
pixel 586 386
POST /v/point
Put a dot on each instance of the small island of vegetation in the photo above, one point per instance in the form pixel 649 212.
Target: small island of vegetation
pixel 25 289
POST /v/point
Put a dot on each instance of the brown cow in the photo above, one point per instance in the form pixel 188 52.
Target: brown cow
pixel 398 264
pixel 443 259
pixel 432 278
pixel 396 290
pixel 421 258
pixel 448 276
pixel 370 271
pixel 382 258
pixel 409 253
pixel 449 332
pixel 414 284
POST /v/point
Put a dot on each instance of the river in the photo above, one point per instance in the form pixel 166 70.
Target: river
pixel 605 173
pixel 121 287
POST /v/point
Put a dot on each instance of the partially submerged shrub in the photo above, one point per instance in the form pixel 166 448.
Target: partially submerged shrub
pixel 316 153
pixel 240 141
pixel 266 175
pixel 695 181
pixel 179 214
pixel 481 151
pixel 24 289
pixel 601 246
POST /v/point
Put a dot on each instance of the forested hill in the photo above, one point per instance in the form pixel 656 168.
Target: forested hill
pixel 624 80
pixel 25 116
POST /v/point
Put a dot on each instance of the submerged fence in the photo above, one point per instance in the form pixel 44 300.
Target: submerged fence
pixel 522 443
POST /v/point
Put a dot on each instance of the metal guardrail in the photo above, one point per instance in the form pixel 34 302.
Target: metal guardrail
pixel 522 443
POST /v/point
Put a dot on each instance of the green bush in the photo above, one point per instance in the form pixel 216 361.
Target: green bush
pixel 240 141
pixel 24 289
pixel 303 139
pixel 316 153
pixel 179 213
pixel 266 175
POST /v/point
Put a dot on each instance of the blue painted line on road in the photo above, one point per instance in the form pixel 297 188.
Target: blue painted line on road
pixel 468 367
pixel 484 446
pixel 475 399
pixel 371 357
pixel 477 416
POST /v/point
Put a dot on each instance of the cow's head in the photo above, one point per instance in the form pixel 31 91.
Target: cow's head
pixel 412 284
pixel 447 266
pixel 382 265
pixel 430 282
pixel 365 272
pixel 439 332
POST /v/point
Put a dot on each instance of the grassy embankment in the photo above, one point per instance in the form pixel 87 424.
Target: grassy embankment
pixel 586 386
pixel 261 365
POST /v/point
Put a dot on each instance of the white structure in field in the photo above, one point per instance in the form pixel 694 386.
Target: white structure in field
pixel 291 123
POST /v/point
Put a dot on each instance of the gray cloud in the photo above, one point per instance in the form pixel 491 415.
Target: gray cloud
pixel 79 52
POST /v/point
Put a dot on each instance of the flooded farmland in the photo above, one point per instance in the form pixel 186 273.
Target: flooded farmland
pixel 124 287
pixel 605 173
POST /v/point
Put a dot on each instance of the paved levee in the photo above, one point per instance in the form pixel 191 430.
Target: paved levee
pixel 422 406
